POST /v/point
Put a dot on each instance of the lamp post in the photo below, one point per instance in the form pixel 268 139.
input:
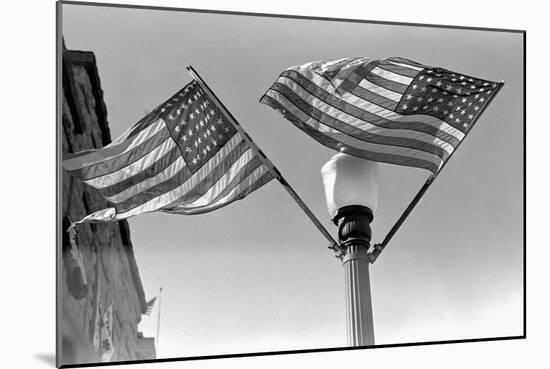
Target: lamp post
pixel 351 191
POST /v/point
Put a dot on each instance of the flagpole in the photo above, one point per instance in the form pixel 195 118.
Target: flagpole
pixel 267 162
pixel 158 322
pixel 379 247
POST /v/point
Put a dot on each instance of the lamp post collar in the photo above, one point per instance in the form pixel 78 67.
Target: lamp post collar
pixel 353 210
pixel 354 226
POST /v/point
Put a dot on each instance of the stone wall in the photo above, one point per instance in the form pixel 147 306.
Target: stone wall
pixel 106 249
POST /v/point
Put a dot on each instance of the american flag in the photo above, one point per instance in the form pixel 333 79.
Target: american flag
pixel 150 305
pixel 185 157
pixel 391 110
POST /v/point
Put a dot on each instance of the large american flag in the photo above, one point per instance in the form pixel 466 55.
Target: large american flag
pixel 390 110
pixel 185 157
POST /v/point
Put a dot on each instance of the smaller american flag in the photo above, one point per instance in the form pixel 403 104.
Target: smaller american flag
pixel 186 157
pixel 391 110
pixel 150 305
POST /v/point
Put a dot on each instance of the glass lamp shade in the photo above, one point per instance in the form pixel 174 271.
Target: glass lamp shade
pixel 349 180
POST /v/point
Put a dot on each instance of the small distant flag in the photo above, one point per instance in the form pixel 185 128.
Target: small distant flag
pixel 185 157
pixel 150 305
pixel 390 110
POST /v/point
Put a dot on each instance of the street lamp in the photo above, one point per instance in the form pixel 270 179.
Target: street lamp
pixel 351 191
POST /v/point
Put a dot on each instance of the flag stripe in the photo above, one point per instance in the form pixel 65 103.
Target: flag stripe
pixel 244 187
pixel 240 169
pixel 406 66
pixel 394 97
pixel 336 144
pixel 113 149
pixel 182 193
pixel 371 112
pixel 198 182
pixel 348 140
pixel 147 121
pixel 357 116
pixel 370 94
pixel 346 67
pixel 400 69
pixel 124 159
pixel 254 181
pixel 361 130
pixel 235 160
pixel 241 154
pixel 391 76
pixel 440 129
pixel 346 72
pixel 380 81
pixel 332 71
pixel 169 172
pixel 136 166
pixel 333 64
pixel 407 63
pixel 190 184
pixel 245 174
pixel 152 171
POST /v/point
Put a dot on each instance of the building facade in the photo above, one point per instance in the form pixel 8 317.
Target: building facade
pixel 101 270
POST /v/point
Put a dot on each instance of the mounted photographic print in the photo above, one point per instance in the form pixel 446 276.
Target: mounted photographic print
pixel 239 184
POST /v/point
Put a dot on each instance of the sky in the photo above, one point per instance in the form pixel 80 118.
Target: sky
pixel 257 275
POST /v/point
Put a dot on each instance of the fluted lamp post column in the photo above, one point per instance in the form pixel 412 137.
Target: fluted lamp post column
pixel 351 190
